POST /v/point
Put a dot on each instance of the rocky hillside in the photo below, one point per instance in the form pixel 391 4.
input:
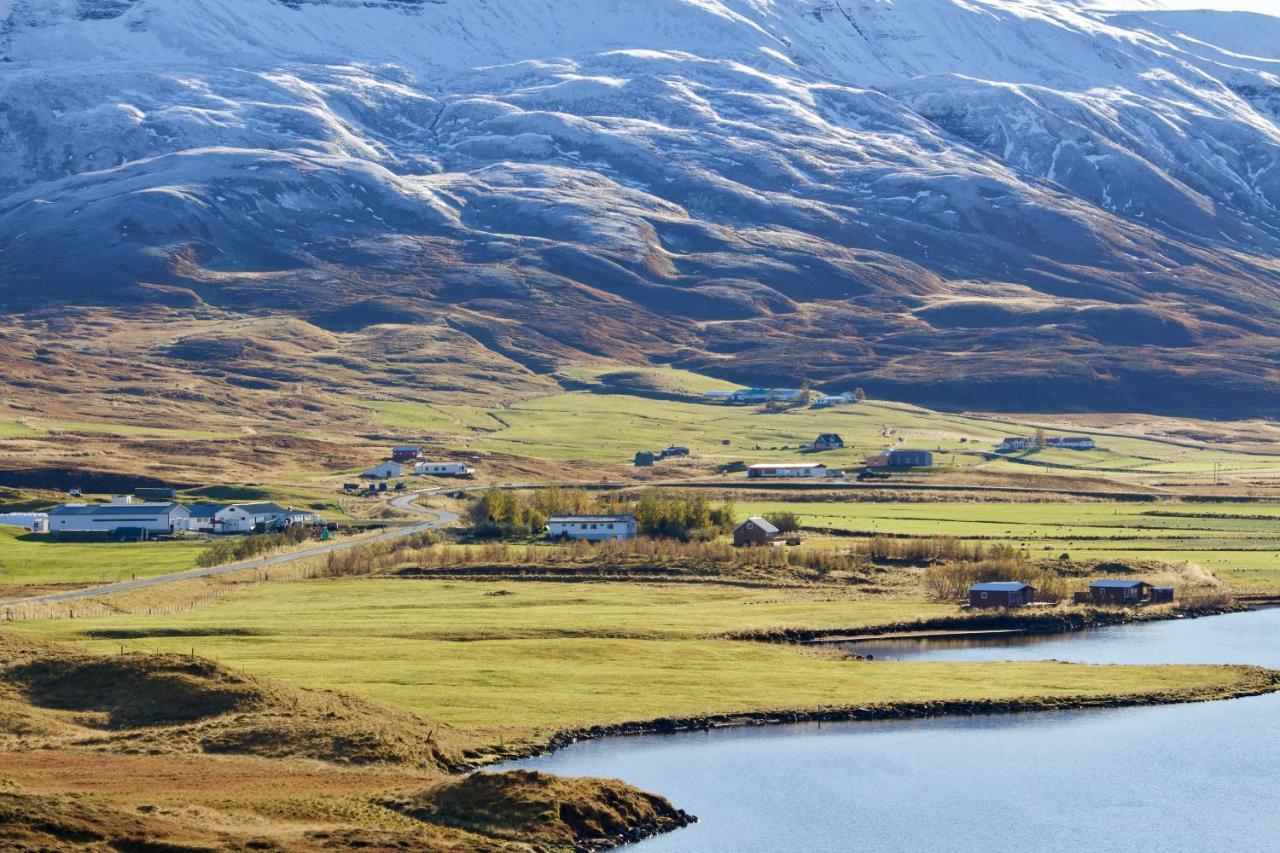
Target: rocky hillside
pixel 982 203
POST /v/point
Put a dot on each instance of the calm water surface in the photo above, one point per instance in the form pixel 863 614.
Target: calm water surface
pixel 1191 778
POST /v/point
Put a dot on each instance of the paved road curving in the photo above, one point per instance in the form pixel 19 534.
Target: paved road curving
pixel 404 502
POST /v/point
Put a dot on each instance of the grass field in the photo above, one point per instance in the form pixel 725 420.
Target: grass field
pixel 1240 541
pixel 530 657
pixel 610 428
pixel 28 560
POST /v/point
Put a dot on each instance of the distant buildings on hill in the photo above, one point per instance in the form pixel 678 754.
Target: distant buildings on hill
pixel 1012 444
pixel 799 396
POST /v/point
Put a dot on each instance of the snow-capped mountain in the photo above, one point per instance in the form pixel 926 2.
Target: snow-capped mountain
pixel 901 192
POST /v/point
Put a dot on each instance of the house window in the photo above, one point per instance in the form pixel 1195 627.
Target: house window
pixel 984 595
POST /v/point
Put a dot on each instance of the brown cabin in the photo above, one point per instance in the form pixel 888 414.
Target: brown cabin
pixel 1123 593
pixel 754 531
pixel 1001 594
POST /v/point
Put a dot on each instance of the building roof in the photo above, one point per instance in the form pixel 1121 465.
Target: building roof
pixel 572 519
pixel 206 510
pixel 830 437
pixel 261 507
pixel 1118 584
pixel 1000 586
pixel 771 465
pixel 761 523
pixel 115 509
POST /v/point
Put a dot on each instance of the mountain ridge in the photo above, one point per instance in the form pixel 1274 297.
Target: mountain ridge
pixel 1028 201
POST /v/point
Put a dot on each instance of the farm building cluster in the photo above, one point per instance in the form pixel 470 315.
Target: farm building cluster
pixel 125 518
pixel 1013 443
pixel 408 460
pixel 793 396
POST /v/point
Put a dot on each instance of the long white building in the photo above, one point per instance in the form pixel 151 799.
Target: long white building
pixel 788 469
pixel 593 528
pixel 443 469
pixel 121 514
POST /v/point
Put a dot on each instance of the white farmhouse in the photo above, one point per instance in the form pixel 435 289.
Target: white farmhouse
pixel 443 469
pixel 245 518
pixel 150 519
pixel 593 528
pixel 385 471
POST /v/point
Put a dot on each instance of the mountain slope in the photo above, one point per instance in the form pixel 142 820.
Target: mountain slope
pixel 996 203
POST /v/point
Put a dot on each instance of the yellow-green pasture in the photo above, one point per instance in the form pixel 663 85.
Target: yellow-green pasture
pixel 535 657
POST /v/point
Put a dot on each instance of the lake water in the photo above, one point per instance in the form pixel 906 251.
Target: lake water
pixel 1193 778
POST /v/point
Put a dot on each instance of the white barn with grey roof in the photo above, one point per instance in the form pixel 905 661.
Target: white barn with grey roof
pixel 151 518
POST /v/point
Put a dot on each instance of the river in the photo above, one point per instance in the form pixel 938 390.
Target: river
pixel 1191 778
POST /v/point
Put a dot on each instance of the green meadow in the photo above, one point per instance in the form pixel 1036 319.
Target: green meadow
pixel 29 559
pixel 535 657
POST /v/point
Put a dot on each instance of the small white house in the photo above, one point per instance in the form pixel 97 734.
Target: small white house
pixel 121 514
pixel 788 469
pixel 245 517
pixel 385 471
pixel 593 528
pixel 443 469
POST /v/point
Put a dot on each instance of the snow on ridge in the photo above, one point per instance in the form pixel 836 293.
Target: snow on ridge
pixel 928 127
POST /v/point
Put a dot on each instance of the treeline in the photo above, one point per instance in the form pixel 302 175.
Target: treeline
pixel 511 514
pixel 379 556
pixel 675 515
pixel 248 547
pixel 691 557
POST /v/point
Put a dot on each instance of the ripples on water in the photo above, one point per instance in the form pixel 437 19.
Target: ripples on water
pixel 1187 778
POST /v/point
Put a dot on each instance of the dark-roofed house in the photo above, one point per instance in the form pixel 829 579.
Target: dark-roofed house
pixel 828 441
pixel 754 531
pixel 1001 594
pixel 1126 592
pixel 405 452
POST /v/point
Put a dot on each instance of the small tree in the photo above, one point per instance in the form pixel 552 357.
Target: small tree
pixel 859 394
pixel 786 522
pixel 1041 441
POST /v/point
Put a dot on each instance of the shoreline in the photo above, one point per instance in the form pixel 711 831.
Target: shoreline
pixel 963 625
pixel 1262 681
